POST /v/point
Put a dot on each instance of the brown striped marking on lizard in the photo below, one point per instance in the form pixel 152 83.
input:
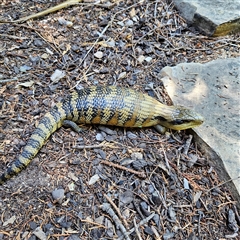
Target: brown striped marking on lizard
pixel 109 105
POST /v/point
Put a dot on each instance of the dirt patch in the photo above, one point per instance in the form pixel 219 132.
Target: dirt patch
pixel 126 44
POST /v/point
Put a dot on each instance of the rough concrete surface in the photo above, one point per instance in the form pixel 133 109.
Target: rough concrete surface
pixel 212 89
pixel 214 18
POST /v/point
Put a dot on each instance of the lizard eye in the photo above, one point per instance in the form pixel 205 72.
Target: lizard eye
pixel 179 122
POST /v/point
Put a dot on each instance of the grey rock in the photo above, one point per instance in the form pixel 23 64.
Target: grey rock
pixel 168 235
pixel 58 194
pixel 107 130
pixel 131 135
pixel 33 225
pixel 99 137
pixel 40 234
pixel 232 223
pixel 212 89
pixel 38 43
pixel 74 237
pixel 129 23
pixel 214 18
pixel 126 197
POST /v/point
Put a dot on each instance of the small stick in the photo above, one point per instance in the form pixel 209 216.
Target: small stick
pixel 9 80
pixel 136 229
pixel 93 223
pixel 117 210
pixel 166 160
pixel 144 221
pixel 140 174
pixel 220 184
pixel 102 144
pixel 45 12
pixel 106 207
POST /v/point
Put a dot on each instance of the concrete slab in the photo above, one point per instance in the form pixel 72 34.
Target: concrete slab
pixel 214 18
pixel 212 89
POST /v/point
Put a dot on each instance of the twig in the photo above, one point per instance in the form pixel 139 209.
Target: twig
pixel 9 80
pixel 220 184
pixel 166 159
pixel 12 36
pixel 136 229
pixel 106 207
pixel 117 210
pixel 101 145
pixel 144 221
pixel 93 223
pixel 140 174
pixel 45 12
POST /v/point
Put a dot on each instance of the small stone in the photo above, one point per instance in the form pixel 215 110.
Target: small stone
pixel 168 236
pixel 44 56
pixel 129 23
pixel 38 43
pixel 57 75
pixel 126 197
pixel 33 225
pixel 148 231
pixel 131 135
pixel 141 58
pixel 107 130
pixel 64 22
pixel 40 234
pixel 93 179
pixel 156 199
pixel 148 59
pixel 185 183
pixel 58 194
pixel 137 156
pixel 98 54
pixel 120 23
pixel 74 237
pixel 99 137
pixel 25 68
pixel 122 75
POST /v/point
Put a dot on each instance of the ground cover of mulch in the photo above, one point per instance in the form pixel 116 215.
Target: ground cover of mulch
pixel 108 182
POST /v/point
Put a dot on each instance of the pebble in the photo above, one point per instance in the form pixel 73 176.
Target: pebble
pixel 185 183
pixel 137 156
pixel 156 199
pixel 122 75
pixel 129 23
pixel 168 236
pixel 99 137
pixel 64 22
pixel 58 194
pixel 126 197
pixel 131 135
pixel 57 75
pixel 148 231
pixel 120 23
pixel 93 179
pixel 98 54
pixel 141 58
pixel 37 43
pixel 148 59
pixel 40 234
pixel 74 237
pixel 139 164
pixel 33 225
pixel 107 130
